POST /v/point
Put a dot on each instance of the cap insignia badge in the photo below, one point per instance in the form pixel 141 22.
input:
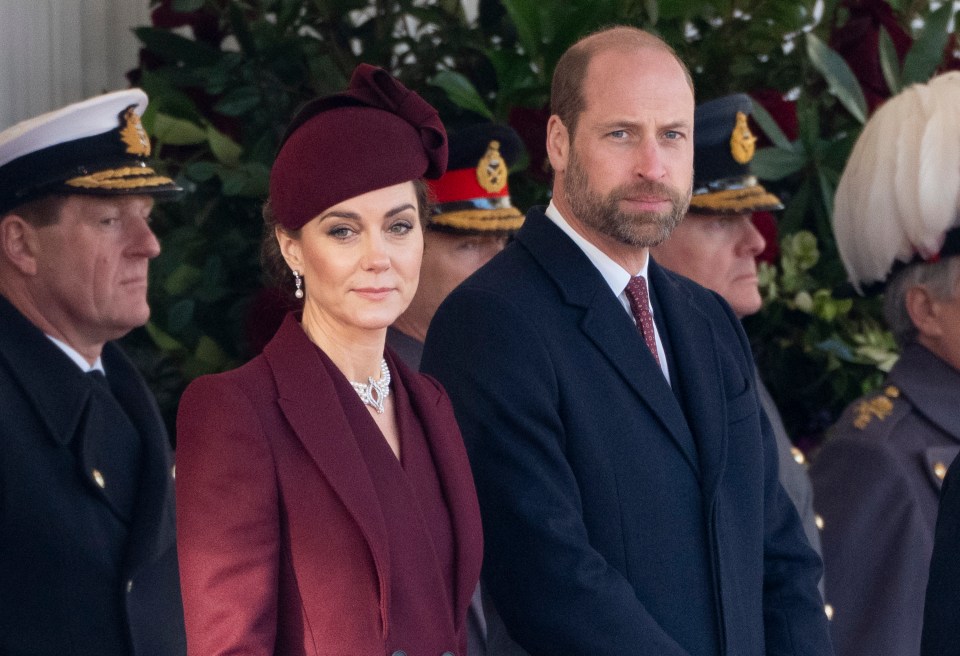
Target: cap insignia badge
pixel 133 135
pixel 492 170
pixel 742 140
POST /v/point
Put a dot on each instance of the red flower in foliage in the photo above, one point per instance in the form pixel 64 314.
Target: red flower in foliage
pixel 784 112
pixel 531 125
pixel 767 225
pixel 858 42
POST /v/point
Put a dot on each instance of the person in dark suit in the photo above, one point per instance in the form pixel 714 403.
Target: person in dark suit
pixel 472 219
pixel 325 500
pixel 627 478
pixel 87 547
pixel 877 478
pixel 940 636
pixel 716 245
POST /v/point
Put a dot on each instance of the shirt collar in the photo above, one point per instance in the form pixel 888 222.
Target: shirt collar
pixel 616 276
pixel 78 359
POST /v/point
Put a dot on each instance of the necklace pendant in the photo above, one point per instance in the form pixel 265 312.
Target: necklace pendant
pixel 375 392
pixel 375 397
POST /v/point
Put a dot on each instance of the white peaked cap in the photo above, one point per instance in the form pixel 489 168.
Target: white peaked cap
pixel 899 194
pixel 87 118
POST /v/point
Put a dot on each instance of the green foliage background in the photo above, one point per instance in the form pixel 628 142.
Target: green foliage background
pixel 225 76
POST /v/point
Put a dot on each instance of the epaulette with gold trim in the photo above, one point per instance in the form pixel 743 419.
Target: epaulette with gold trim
pixel 877 407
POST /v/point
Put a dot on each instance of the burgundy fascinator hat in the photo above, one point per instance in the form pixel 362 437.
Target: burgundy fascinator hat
pixel 375 134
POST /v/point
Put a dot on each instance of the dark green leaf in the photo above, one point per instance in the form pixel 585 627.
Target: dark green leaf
pixel 187 5
pixel 927 51
pixel 177 132
pixel 226 150
pixel 175 48
pixel 239 101
pixel 841 80
pixel 241 30
pixel 777 163
pixel 770 127
pixel 180 315
pixel 889 62
pixel 202 171
pixel 461 92
pixel 526 18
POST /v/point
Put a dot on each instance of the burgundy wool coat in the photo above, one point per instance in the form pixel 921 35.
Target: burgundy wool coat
pixel 282 541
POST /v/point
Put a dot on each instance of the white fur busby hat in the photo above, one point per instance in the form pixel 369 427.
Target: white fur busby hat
pixel 898 200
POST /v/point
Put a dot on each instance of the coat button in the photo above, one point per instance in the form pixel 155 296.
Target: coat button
pixel 129 586
pixel 98 478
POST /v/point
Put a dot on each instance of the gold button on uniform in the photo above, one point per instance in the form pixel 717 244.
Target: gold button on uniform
pixel 940 469
pixel 98 478
pixel 173 472
pixel 818 520
pixel 798 455
pixel 828 610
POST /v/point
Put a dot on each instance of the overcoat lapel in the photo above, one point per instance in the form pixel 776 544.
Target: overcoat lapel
pixel 45 374
pixel 697 377
pixel 152 529
pixel 453 470
pixel 607 325
pixel 306 393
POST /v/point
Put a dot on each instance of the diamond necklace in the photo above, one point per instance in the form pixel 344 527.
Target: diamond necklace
pixel 375 392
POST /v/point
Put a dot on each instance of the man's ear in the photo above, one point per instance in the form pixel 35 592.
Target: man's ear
pixel 18 243
pixel 921 306
pixel 290 249
pixel 558 144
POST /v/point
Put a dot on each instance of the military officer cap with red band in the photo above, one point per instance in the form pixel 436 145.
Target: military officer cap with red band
pixel 375 134
pixel 473 196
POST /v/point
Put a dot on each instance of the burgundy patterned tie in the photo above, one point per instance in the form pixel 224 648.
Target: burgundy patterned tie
pixel 640 305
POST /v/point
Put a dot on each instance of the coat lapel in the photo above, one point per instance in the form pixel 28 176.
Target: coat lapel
pixel 152 530
pixel 456 480
pixel 697 376
pixel 607 325
pixel 305 394
pixel 48 377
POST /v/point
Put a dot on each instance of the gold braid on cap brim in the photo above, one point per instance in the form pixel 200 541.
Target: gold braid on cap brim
pixel 735 201
pixel 124 178
pixel 504 219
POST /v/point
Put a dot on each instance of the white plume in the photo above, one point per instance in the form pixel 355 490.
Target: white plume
pixel 900 190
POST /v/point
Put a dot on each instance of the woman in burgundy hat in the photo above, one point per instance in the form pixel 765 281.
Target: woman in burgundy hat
pixel 324 499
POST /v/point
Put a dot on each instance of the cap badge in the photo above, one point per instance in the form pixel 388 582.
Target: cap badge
pixel 742 140
pixel 133 134
pixel 492 170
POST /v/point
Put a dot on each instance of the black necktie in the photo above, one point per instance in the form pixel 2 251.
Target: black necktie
pixel 111 447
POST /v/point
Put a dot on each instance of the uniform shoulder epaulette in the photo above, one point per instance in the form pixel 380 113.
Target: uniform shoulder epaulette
pixel 875 408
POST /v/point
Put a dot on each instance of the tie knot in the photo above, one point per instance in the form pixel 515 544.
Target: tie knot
pixel 98 378
pixel 637 293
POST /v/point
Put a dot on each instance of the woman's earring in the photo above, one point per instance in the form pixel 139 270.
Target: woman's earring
pixel 298 281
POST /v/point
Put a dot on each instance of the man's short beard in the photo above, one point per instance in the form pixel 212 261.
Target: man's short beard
pixel 603 213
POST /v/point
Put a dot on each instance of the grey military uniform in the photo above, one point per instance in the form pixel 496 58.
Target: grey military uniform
pixel 876 484
pixel 793 474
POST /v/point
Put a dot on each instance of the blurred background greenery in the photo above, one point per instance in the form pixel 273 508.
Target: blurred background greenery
pixel 225 76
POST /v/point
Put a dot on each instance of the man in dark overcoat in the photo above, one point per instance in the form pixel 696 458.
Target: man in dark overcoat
pixel 627 478
pixel 87 547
